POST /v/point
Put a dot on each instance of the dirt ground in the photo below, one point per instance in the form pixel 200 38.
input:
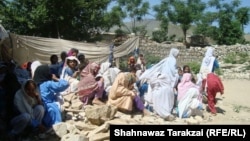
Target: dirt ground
pixel 234 105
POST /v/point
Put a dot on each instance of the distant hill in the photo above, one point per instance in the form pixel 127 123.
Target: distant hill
pixel 152 25
pixel 247 37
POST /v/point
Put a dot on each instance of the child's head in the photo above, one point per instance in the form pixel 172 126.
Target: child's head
pixel 186 69
pixel 30 88
pixel 131 60
pixel 180 72
pixel 63 55
pixel 53 59
pixel 72 62
pixel 73 52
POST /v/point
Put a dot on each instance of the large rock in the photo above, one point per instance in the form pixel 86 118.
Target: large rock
pixel 97 115
pixel 60 129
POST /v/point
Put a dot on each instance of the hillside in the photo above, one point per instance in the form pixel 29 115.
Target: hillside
pixel 152 25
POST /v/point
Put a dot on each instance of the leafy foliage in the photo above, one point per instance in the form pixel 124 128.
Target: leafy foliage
pixel 75 19
pixel 236 58
pixel 195 67
pixel 135 10
pixel 86 20
pixel 151 59
pixel 230 18
pixel 159 36
pixel 180 12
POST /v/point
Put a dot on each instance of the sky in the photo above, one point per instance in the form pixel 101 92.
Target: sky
pixel 245 3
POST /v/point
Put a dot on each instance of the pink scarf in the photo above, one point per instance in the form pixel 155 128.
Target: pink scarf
pixel 185 85
pixel 88 84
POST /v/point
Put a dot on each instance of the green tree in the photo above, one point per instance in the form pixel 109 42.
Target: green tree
pixel 115 17
pixel 73 20
pixel 135 10
pixel 229 30
pixel 242 15
pixel 204 25
pixel 184 13
pixel 161 34
pixel 2 6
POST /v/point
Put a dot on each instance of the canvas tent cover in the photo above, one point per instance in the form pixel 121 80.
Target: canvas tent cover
pixel 29 48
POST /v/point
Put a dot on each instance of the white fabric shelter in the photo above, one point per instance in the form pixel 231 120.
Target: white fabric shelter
pixel 29 48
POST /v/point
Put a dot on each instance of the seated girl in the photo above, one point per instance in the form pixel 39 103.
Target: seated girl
pixel 189 97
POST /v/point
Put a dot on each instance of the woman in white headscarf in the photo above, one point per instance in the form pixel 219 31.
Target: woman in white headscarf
pixel 162 78
pixel 208 65
pixel 166 66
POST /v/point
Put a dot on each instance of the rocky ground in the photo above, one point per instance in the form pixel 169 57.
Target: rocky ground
pixel 92 123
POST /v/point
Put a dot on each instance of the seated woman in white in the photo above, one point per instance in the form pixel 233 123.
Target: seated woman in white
pixel 161 96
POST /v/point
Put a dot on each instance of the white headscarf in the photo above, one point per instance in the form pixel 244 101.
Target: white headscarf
pixel 33 66
pixel 209 56
pixel 104 67
pixel 207 62
pixel 166 66
pixel 63 76
pixel 206 65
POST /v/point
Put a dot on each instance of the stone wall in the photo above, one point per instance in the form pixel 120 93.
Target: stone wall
pixel 193 54
pixel 196 54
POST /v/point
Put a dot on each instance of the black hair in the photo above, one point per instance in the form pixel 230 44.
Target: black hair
pixel 74 50
pixel 186 66
pixel 81 57
pixel 81 66
pixel 63 55
pixel 52 57
pixel 28 83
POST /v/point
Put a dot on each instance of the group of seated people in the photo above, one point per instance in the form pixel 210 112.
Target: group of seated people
pixel 37 99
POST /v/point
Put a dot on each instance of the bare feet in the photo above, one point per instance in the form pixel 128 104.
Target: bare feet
pixel 96 101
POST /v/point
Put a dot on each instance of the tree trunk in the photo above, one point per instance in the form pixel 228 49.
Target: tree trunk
pixel 185 38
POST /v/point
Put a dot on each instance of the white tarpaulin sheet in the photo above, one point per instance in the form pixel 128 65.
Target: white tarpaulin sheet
pixel 29 48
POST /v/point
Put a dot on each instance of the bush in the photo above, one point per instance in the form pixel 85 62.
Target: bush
pixel 230 58
pixel 119 32
pixel 236 58
pixel 159 36
pixel 243 57
pixel 151 59
pixel 247 67
pixel 218 71
pixel 195 67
